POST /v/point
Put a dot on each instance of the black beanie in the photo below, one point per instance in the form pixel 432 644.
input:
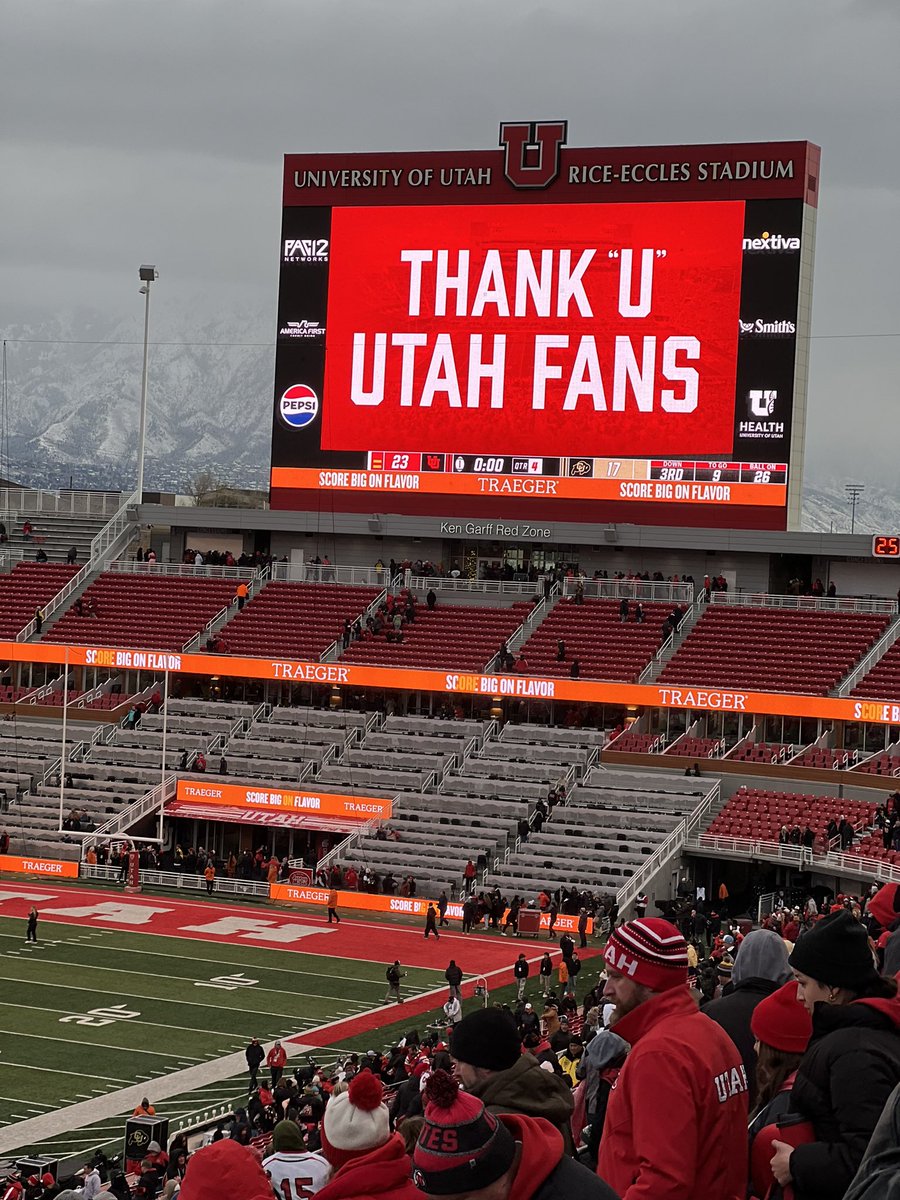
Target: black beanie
pixel 835 952
pixel 486 1038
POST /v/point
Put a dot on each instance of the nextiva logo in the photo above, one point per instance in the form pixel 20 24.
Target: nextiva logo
pixel 308 330
pixel 773 242
pixel 306 250
pixel 761 406
pixel 527 466
pixel 298 406
pixel 772 329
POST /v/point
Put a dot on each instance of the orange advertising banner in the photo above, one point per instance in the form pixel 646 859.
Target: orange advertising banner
pixel 45 867
pixel 232 795
pixel 411 906
pixel 562 488
pixel 525 687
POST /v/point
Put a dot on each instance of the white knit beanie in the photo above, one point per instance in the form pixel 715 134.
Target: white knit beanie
pixel 356 1121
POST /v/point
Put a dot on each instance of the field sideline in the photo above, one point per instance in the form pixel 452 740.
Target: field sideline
pixel 96 1007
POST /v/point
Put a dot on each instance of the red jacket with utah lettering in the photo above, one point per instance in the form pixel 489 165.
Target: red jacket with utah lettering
pixel 676 1124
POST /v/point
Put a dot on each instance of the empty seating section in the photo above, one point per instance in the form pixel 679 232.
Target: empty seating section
pixel 160 612
pixel 823 757
pixel 761 752
pixel 883 681
pixel 464 637
pixel 297 620
pixel 605 646
pixel 880 764
pixel 873 847
pixel 696 747
pixel 772 649
pixel 27 587
pixel 758 814
pixel 611 823
pixel 635 743
pixel 104 703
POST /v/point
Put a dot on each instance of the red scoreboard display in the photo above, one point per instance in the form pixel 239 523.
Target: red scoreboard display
pixel 547 332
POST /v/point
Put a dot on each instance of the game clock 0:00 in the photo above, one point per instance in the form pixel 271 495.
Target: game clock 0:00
pixel 886 545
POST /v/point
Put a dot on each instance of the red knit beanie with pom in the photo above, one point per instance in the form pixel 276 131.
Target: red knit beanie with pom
pixel 462 1148
pixel 355 1121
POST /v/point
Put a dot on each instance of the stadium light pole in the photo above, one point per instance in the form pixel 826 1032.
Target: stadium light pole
pixel 148 275
pixel 854 491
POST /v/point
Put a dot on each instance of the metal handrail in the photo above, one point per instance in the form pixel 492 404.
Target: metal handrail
pixel 813 603
pixel 154 799
pixel 129 566
pixel 497 587
pixel 865 665
pixel 36 500
pixel 309 572
pixel 630 589
pixel 180 880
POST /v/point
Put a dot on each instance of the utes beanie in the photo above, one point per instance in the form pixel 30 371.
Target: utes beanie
pixel 835 952
pixel 885 905
pixel 650 951
pixel 486 1038
pixel 356 1121
pixel 225 1169
pixel 462 1148
pixel 782 1022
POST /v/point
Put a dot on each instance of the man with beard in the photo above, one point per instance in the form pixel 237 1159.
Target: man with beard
pixel 681 1064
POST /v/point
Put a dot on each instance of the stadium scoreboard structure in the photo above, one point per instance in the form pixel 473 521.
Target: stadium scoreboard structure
pixel 547 332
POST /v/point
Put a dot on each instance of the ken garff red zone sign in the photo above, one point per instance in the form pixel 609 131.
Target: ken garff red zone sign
pixel 615 314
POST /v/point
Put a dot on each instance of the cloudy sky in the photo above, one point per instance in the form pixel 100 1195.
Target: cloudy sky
pixel 153 130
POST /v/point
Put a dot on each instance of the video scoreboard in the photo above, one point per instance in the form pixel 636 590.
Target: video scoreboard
pixel 583 335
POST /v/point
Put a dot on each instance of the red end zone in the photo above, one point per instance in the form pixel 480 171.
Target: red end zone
pixel 263 927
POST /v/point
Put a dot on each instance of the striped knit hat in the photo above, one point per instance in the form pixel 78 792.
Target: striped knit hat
pixel 650 951
pixel 462 1148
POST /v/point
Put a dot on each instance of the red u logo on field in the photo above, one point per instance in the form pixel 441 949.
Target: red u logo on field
pixel 531 151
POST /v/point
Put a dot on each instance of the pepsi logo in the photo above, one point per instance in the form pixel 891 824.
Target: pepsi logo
pixel 299 406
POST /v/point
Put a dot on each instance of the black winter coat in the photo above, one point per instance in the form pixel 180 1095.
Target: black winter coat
pixel 573 1181
pixel 845 1078
pixel 733 1012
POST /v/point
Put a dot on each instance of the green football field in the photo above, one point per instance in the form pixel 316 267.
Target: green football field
pixel 90 1011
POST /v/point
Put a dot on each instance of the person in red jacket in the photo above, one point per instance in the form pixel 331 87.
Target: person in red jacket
pixel 225 1169
pixel 275 1061
pixel 676 1122
pixel 368 1160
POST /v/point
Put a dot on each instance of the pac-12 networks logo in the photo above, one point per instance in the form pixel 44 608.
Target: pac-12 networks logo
pixel 298 406
pixel 305 250
pixel 772 242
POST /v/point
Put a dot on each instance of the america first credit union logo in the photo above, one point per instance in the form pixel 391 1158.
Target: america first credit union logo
pixel 298 406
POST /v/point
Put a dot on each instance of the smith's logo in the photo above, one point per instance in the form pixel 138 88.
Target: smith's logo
pixel 531 151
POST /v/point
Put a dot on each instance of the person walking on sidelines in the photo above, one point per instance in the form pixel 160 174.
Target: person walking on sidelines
pixel 275 1061
pixel 210 876
pixel 582 927
pixel 546 973
pixel 431 923
pixel 454 977
pixel 254 1055
pixel 442 909
pixel 640 904
pixel 393 975
pixel 31 928
pixel 520 971
pixel 332 907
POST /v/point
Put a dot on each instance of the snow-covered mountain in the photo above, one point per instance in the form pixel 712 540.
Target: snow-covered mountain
pixel 74 393
pixel 74 400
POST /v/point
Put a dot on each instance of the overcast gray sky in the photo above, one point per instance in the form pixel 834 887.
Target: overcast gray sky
pixel 153 130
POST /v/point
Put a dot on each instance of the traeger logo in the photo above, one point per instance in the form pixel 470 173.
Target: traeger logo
pixel 531 151
pixel 772 242
pixel 305 250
